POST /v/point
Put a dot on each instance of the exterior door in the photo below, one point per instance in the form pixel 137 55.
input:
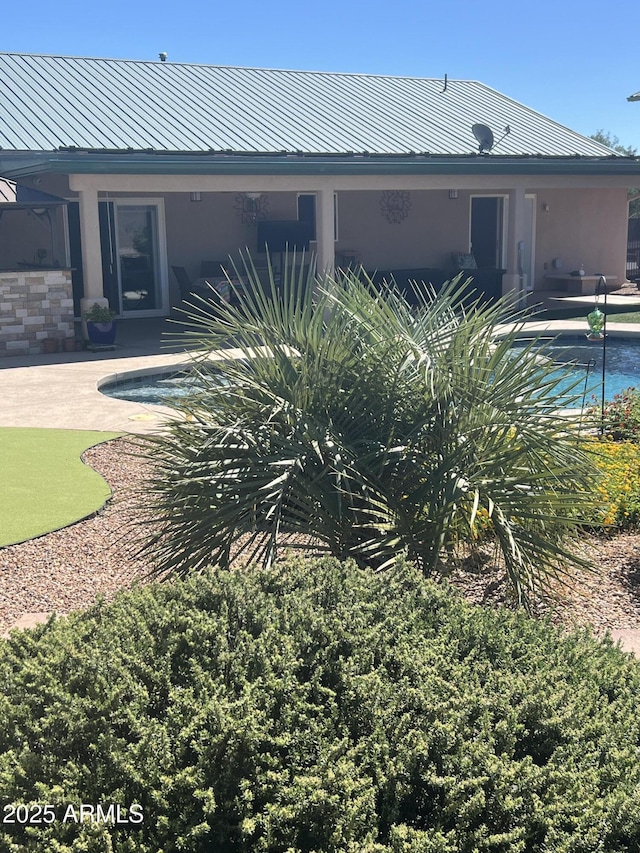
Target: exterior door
pixel 487 230
pixel 140 258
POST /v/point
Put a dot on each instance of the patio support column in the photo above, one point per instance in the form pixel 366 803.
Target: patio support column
pixel 513 278
pixel 90 239
pixel 325 230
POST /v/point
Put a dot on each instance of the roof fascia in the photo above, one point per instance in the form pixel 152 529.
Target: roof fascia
pixel 16 165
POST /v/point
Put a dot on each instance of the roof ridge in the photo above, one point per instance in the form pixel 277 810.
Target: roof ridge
pixel 369 74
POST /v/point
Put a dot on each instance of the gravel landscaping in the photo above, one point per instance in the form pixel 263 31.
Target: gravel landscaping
pixel 70 568
pixel 606 598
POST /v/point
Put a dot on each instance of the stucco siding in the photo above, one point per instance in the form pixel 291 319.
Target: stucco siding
pixel 435 226
pixel 581 227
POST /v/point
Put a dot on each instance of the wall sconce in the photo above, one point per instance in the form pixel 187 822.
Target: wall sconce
pixel 197 196
pixel 453 193
pixel 251 207
pixel 545 207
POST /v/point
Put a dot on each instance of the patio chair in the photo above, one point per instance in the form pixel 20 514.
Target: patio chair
pixel 189 289
pixel 212 282
pixel 183 280
pixel 487 281
pixel 464 261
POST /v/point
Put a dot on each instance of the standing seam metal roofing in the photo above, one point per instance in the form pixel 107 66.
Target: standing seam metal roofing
pixel 52 102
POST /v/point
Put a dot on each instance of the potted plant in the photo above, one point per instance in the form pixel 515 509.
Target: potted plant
pixel 101 325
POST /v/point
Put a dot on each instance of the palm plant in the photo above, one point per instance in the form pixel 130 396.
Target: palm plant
pixel 371 427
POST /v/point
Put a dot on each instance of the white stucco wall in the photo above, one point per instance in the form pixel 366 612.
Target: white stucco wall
pixel 435 227
pixel 211 229
pixel 587 226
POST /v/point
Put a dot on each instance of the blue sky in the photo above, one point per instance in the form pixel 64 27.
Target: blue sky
pixel 572 61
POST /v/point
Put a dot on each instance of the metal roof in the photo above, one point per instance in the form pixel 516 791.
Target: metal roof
pixel 635 97
pixel 54 103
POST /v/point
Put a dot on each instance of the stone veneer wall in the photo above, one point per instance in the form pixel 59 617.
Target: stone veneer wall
pixel 34 305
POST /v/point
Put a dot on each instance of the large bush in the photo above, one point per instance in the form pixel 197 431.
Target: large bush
pixel 319 707
pixel 374 427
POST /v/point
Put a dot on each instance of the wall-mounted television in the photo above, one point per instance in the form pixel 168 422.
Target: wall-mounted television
pixel 280 235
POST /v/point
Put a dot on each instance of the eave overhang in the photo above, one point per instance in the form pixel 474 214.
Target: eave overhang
pixel 21 164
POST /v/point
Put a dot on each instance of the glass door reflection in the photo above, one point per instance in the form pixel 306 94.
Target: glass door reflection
pixel 138 257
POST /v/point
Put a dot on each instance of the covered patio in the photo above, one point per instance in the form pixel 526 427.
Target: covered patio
pixel 416 223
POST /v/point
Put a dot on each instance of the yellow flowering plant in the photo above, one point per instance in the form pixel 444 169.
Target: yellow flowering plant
pixel 617 493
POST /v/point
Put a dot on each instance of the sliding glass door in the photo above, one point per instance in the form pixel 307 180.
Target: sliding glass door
pixel 141 257
pixel 134 256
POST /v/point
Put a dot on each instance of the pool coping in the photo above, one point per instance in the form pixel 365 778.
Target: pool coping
pixel 532 329
pixel 139 373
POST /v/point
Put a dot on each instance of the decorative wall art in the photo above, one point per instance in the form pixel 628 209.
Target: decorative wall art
pixel 395 205
pixel 251 207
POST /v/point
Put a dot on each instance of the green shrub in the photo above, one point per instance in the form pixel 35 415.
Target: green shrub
pixel 319 707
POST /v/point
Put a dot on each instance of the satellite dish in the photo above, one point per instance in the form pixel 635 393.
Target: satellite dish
pixel 484 136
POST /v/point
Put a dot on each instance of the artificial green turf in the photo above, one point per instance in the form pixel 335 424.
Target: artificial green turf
pixel 44 485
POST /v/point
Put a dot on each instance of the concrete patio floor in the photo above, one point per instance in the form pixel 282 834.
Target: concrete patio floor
pixel 61 390
pixel 552 300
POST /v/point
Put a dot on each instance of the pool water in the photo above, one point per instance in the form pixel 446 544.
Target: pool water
pixel 622 371
pixel 622 367
pixel 160 389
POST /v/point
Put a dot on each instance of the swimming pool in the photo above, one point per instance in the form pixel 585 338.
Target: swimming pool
pixel 622 367
pixel 622 371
